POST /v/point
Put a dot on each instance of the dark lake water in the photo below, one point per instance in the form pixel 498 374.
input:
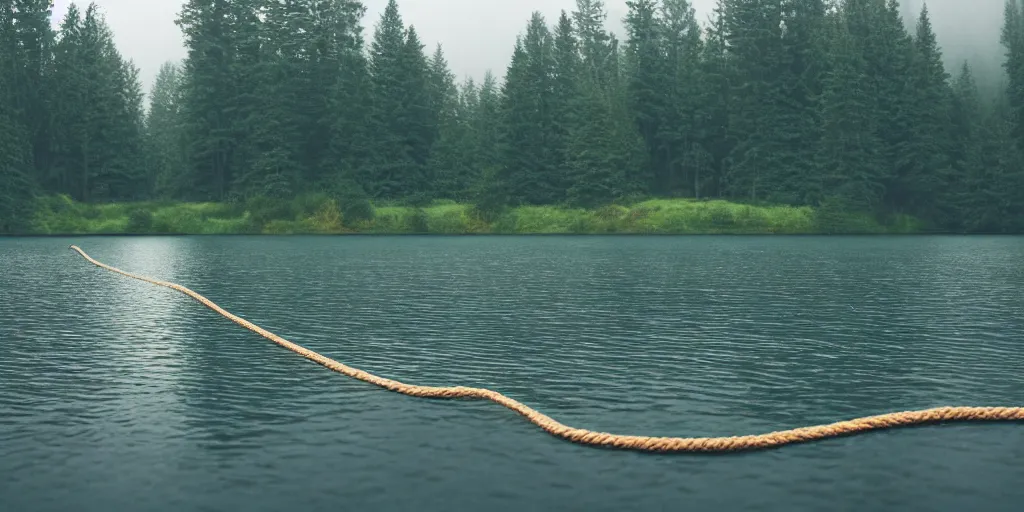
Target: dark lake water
pixel 119 395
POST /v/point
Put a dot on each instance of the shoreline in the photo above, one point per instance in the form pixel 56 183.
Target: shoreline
pixel 323 215
pixel 509 235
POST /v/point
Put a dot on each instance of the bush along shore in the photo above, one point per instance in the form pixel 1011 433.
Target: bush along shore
pixel 322 214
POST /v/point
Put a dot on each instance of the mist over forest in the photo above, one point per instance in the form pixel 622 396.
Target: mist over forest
pixel 966 31
pixel 871 108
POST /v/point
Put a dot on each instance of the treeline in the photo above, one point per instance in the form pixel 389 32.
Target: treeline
pixel 834 104
pixel 71 112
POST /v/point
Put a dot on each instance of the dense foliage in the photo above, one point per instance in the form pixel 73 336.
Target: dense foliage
pixel 831 104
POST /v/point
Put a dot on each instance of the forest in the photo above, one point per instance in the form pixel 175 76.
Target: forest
pixel 837 106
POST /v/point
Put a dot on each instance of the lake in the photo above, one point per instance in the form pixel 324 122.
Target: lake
pixel 121 395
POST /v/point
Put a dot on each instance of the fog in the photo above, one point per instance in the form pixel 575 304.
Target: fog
pixel 478 35
pixel 966 30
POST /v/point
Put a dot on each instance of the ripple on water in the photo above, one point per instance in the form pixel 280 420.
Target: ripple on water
pixel 121 395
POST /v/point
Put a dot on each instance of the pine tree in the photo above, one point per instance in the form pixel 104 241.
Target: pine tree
pixel 713 99
pixel 209 101
pixel 337 130
pixel 595 43
pixel 167 158
pixel 32 59
pixel 485 123
pixel 923 169
pixel 124 175
pixel 606 156
pixel 801 82
pixel 530 168
pixel 649 82
pixel 450 164
pixel 15 185
pixel 996 203
pixel 401 113
pixel 391 160
pixel 489 124
pixel 887 49
pixel 1012 39
pixel 753 33
pixel 966 119
pixel 850 153
pixel 69 125
pixel 564 98
pixel 21 42
pixel 597 176
pixel 683 154
pixel 420 120
pixel 269 77
pixel 346 115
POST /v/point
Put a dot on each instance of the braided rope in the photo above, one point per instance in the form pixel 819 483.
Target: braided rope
pixel 602 439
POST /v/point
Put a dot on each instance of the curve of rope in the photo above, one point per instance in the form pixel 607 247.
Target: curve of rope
pixel 603 439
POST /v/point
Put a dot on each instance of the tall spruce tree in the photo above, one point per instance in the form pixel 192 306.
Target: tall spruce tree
pixel 1012 39
pixel 924 167
pixel 450 157
pixel 164 137
pixel 348 109
pixel 401 118
pixel 713 97
pixel 530 167
pixel 19 72
pixel 649 82
pixel 850 156
pixel 208 98
pixel 683 152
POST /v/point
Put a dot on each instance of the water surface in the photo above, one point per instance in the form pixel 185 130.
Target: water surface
pixel 119 395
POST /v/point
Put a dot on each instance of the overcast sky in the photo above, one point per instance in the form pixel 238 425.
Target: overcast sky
pixel 478 35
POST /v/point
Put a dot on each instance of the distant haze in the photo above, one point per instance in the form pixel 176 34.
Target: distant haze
pixel 966 30
pixel 478 35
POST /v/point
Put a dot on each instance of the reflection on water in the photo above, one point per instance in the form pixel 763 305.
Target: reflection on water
pixel 118 395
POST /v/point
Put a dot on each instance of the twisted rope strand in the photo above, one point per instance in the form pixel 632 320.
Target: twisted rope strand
pixel 603 439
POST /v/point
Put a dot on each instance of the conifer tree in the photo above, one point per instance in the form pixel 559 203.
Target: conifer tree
pixel 402 128
pixel 850 154
pixel 164 137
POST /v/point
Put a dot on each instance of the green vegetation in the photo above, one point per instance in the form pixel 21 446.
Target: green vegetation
pixel 321 214
pixel 290 117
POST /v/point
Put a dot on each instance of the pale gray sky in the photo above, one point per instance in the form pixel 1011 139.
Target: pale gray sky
pixel 479 34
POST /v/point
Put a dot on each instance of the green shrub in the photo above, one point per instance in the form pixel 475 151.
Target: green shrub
pixel 177 220
pixel 357 209
pixel 417 222
pixel 327 219
pixel 487 213
pixel 307 205
pixel 140 221
pixel 352 200
pixel 581 225
pixel 831 217
pixel 450 218
pixel 263 209
pixel 325 213
pixel 720 215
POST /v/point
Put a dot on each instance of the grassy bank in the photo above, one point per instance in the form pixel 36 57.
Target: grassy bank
pixel 322 215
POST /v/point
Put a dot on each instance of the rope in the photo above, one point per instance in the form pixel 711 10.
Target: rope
pixel 602 439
